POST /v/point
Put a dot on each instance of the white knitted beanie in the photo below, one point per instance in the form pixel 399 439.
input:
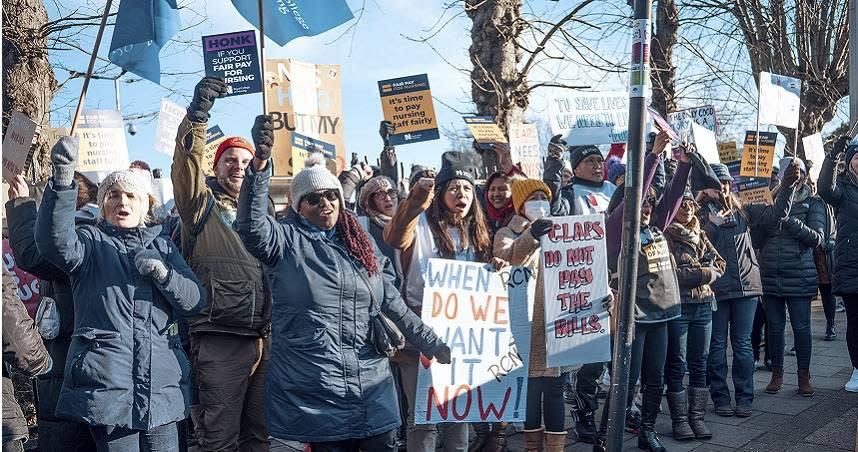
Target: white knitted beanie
pixel 136 181
pixel 315 176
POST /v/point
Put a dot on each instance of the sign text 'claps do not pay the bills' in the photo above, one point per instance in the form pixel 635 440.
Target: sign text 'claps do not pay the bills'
pixel 407 103
pixel 484 316
pixel 233 56
pixel 575 275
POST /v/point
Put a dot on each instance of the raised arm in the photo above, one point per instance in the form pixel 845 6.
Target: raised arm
pixel 517 250
pixel 399 232
pixel 667 207
pixel 614 223
pixel 552 175
pixel 760 214
pixel 827 183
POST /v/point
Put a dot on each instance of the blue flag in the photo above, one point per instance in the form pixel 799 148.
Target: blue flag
pixel 143 28
pixel 286 20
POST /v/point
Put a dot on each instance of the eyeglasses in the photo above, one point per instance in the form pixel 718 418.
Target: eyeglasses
pixel 392 194
pixel 594 162
pixel 315 198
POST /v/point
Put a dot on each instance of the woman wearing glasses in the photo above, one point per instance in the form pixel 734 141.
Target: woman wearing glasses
pixel 327 383
pixel 379 199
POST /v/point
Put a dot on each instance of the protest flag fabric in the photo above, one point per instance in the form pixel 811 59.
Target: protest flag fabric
pixel 285 21
pixel 142 29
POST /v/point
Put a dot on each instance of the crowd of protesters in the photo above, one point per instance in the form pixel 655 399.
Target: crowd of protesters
pixel 229 324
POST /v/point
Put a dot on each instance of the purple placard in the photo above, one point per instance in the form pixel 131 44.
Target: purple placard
pixel 227 41
pixel 662 124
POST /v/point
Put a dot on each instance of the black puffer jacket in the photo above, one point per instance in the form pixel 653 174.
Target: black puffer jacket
pixel 841 192
pixel 787 265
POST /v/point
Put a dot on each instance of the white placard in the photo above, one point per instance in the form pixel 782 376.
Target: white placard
pixel 814 152
pixel 780 99
pixel 704 140
pixel 524 149
pixel 589 118
pixel 169 118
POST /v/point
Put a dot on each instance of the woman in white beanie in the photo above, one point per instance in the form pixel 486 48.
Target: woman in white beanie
pixel 126 373
pixel 328 384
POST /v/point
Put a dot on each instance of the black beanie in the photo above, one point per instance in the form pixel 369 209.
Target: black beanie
pixel 454 165
pixel 721 172
pixel 850 152
pixel 577 154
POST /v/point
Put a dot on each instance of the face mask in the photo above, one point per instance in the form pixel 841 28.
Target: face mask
pixel 535 210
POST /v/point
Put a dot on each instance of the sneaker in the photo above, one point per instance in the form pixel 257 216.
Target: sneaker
pixel 759 364
pixel 585 427
pixel 840 306
pixel 791 351
pixel 743 411
pixel 852 384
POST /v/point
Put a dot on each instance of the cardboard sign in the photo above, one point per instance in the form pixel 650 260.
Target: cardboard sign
pixel 484 316
pixel 574 268
pixel 589 118
pixel 758 162
pixel 779 100
pixel 29 290
pixel 407 103
pixel 814 153
pixel 169 118
pixel 524 149
pixel 214 136
pixel 704 116
pixel 101 146
pixel 759 195
pixel 16 144
pixel 233 56
pixel 728 152
pixel 704 141
pixel 484 130
pixel 303 146
pixel 304 98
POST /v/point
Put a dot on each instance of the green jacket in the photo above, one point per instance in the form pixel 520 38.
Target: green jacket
pixel 239 299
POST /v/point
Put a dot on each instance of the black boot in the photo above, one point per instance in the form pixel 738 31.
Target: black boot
pixel 830 331
pixel 585 426
pixel 647 439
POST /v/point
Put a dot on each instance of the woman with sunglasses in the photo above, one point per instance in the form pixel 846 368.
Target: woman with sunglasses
pixel 379 200
pixel 328 385
pixel 697 266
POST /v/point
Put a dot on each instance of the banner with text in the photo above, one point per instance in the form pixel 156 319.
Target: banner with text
pixel 575 275
pixel 169 118
pixel 728 152
pixel 484 130
pixel 484 316
pixel 233 56
pixel 682 120
pixel 524 149
pixel 755 191
pixel 16 144
pixel 304 98
pixel 214 136
pixel 589 118
pixel 101 145
pixel 407 103
pixel 757 162
pixel 303 146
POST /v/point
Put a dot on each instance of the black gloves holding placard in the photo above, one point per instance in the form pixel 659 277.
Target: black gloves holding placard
pixel 263 136
pixel 556 147
pixel 792 175
pixel 840 146
pixel 386 129
pixel 64 159
pixel 205 93
pixel 540 227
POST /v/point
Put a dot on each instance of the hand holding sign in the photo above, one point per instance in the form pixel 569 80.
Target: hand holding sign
pixel 792 176
pixel 207 90
pixel 556 147
pixel 18 188
pixel 443 354
pixel 386 129
pixel 263 136
pixel 662 142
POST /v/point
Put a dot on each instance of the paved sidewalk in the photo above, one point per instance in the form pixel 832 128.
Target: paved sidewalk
pixel 781 422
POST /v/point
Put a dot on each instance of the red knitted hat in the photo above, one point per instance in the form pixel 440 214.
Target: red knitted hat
pixel 231 142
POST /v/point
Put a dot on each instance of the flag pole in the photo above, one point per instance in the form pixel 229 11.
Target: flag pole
pixel 757 132
pixel 91 67
pixel 262 56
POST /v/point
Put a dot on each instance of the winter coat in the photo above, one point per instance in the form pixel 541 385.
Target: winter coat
pixel 126 366
pixel 376 231
pixel 516 245
pixel 841 192
pixel 787 267
pixel 23 348
pixel 695 258
pixel 326 381
pixel 580 197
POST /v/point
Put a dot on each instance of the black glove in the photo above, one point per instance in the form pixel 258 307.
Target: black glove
pixel 442 355
pixel 386 129
pixel 263 136
pixel 64 159
pixel 791 176
pixel 556 147
pixel 206 91
pixel 840 146
pixel 540 227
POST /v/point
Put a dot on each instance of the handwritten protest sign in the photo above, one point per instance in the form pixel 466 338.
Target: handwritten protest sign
pixel 779 100
pixel 728 152
pixel 16 144
pixel 814 153
pixel 214 136
pixel 589 118
pixel 407 103
pixel 169 118
pixel 704 141
pixel 575 274
pixel 484 317
pixel 101 146
pixel 755 191
pixel 233 56
pixel 304 98
pixel 484 129
pixel 524 149
pixel 303 146
pixel 682 120
pixel 758 162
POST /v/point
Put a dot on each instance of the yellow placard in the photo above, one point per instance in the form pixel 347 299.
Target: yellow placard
pixel 101 141
pixel 756 195
pixel 484 129
pixel 728 152
pixel 757 162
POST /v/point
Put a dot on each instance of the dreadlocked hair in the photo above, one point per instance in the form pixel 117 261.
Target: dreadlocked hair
pixel 357 242
pixel 473 228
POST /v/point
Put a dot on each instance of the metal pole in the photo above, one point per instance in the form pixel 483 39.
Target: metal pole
pixel 116 88
pixel 639 87
pixel 262 56
pixel 89 69
pixel 853 64
pixel 757 131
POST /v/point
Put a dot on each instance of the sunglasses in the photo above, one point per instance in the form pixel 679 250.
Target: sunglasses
pixel 315 198
pixel 392 194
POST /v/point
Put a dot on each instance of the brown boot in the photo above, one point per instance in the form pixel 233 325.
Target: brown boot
pixel 555 441
pixel 804 386
pixel 533 440
pixel 777 380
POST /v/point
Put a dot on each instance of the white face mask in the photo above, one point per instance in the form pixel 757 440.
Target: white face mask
pixel 535 210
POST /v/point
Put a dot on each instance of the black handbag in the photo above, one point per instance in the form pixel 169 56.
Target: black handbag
pixel 383 333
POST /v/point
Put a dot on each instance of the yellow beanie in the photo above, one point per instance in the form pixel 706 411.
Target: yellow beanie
pixel 523 188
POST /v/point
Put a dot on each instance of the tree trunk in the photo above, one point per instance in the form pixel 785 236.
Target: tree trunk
pixel 28 79
pixel 663 70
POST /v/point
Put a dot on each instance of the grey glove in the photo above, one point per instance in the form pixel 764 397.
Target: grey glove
pixel 64 159
pixel 207 90
pixel 150 263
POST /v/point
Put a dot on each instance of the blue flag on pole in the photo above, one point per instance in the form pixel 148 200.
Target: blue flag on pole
pixel 142 29
pixel 286 20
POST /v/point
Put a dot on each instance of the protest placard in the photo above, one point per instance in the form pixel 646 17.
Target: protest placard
pixel 704 141
pixel 16 144
pixel 484 129
pixel 524 149
pixel 214 136
pixel 304 98
pixel 53 134
pixel 589 118
pixel 303 146
pixel 814 153
pixel 734 168
pixel 484 317
pixel 575 274
pixel 728 152
pixel 754 191
pixel 407 103
pixel 779 100
pixel 662 124
pixel 169 118
pixel 29 289
pixel 101 145
pixel 758 162
pixel 233 56
pixel 681 120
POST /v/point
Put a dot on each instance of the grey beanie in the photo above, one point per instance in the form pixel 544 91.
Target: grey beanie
pixel 315 176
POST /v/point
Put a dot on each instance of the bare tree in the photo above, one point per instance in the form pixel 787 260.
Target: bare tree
pixel 664 40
